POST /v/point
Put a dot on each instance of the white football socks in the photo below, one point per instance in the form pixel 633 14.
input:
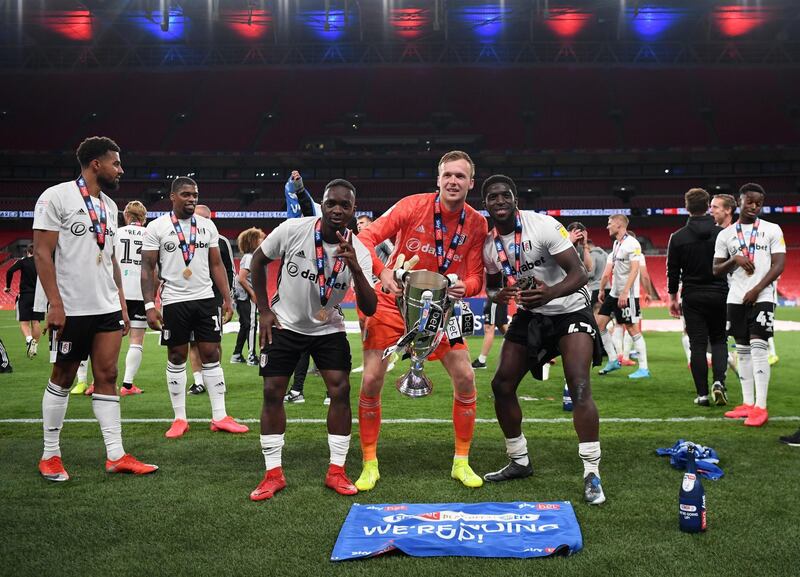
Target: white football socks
pixel 608 345
pixel 176 383
pixel 517 450
pixel 590 455
pixel 339 445
pixel 745 369
pixel 641 350
pixel 627 345
pixel 83 371
pixel 107 412
pixel 214 379
pixel 133 361
pixel 687 350
pixel 54 409
pixel 759 353
pixel 272 447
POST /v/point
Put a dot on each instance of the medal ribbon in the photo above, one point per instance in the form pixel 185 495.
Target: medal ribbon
pixel 446 259
pixel 511 275
pixel 325 287
pixel 751 252
pixel 187 250
pixel 99 224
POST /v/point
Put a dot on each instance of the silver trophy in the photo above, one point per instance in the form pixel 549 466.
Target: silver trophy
pixel 426 310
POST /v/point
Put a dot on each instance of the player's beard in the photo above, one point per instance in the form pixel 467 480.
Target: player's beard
pixel 107 185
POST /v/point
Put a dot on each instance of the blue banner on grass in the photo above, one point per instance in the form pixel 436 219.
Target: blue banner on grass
pixel 518 529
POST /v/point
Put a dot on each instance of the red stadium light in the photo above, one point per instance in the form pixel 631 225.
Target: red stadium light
pixel 248 24
pixel 735 21
pixel 71 24
pixel 566 23
pixel 409 23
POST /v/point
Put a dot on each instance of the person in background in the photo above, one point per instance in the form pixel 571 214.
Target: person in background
pixel 383 251
pixel 128 250
pixel 248 241
pixel 690 259
pixel 185 246
pixel 28 318
pixel 623 270
pixel 226 254
pixel 753 253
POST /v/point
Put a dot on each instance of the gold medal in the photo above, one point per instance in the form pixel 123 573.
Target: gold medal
pixel 322 315
pixel 100 258
pixel 187 272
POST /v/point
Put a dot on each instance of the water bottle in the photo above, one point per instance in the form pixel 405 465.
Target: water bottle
pixel 692 498
pixel 566 400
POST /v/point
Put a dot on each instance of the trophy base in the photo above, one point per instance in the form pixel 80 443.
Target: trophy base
pixel 414 384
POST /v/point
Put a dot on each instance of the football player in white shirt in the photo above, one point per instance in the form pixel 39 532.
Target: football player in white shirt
pixel 320 261
pixel 74 226
pixel 623 301
pixel 753 252
pixel 186 248
pixel 128 248
pixel 546 277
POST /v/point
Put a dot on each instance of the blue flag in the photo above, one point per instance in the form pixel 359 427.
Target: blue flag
pixel 292 205
pixel 517 529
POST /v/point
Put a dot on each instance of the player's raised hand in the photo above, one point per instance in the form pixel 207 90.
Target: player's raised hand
pixel 347 252
pixel 297 180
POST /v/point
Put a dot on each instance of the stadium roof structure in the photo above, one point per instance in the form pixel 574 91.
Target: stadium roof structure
pixel 101 34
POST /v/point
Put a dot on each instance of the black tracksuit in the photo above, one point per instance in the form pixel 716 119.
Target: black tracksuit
pixel 690 259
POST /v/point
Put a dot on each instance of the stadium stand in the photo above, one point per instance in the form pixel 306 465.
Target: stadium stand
pixel 545 109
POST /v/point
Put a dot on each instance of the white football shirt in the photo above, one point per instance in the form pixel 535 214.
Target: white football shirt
pixel 160 235
pixel 624 253
pixel 543 237
pixel 769 241
pixel 86 286
pixel 296 301
pixel 128 247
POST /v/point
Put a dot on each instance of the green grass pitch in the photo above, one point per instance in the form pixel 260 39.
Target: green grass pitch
pixel 194 517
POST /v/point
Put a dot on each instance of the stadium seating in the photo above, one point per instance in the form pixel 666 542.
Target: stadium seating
pixel 514 109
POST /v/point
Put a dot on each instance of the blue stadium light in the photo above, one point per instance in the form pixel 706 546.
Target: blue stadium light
pixel 151 22
pixel 650 22
pixel 487 21
pixel 328 26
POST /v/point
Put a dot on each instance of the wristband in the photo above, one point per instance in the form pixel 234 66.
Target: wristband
pixel 150 305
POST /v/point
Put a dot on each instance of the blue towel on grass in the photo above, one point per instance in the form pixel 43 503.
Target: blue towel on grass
pixel 706 458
